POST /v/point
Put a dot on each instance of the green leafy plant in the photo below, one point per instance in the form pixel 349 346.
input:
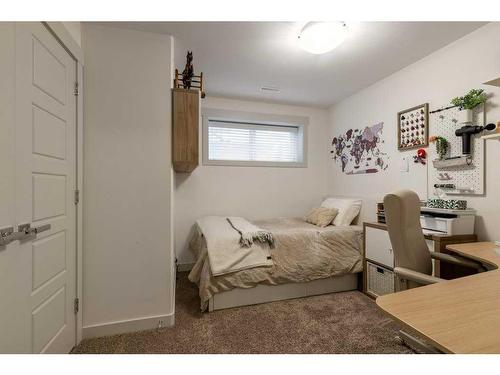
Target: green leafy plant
pixel 470 100
pixel 441 145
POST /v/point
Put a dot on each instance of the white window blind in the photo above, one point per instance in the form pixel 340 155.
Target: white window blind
pixel 241 141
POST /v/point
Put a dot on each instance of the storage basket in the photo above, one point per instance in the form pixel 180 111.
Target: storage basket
pixel 380 280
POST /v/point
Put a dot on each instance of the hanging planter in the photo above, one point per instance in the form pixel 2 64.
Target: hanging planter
pixel 467 103
pixel 441 145
pixel 465 116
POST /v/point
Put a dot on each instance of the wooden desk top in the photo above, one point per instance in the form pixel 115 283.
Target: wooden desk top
pixel 457 316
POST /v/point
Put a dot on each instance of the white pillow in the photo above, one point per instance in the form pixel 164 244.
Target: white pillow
pixel 348 209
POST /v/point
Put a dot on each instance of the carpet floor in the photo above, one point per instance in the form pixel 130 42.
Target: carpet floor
pixel 347 322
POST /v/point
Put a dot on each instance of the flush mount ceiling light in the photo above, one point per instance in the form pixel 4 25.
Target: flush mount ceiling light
pixel 322 37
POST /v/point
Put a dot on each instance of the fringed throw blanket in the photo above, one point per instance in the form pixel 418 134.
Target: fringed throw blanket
pixel 249 232
pixel 224 249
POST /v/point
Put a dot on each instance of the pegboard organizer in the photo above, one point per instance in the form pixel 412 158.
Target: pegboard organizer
pixel 468 177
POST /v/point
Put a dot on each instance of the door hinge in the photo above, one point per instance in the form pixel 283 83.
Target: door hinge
pixel 77 196
pixel 77 305
pixel 77 90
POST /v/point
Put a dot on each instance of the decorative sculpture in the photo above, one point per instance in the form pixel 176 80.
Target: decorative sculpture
pixel 188 72
pixel 187 80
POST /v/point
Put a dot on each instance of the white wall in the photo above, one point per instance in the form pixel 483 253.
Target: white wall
pixel 252 192
pixel 437 78
pixel 128 267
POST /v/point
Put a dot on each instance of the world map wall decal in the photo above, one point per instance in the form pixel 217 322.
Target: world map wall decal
pixel 360 151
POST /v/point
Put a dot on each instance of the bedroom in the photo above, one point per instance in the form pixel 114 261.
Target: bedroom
pixel 183 179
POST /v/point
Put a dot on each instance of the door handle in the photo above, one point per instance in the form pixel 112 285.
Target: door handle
pixel 7 235
pixel 29 233
pixel 24 232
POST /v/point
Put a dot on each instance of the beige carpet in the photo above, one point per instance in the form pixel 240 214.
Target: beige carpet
pixel 348 322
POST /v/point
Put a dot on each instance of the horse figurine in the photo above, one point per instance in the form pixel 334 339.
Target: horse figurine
pixel 188 72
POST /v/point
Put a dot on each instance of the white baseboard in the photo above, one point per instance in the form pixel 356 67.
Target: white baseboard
pixel 127 326
pixel 185 267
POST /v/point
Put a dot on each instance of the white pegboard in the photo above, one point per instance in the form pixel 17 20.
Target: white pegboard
pixel 471 176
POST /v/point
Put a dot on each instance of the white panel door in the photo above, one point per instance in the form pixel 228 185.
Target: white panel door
pixel 42 270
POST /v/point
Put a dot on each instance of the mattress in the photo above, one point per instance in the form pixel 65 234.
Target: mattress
pixel 303 252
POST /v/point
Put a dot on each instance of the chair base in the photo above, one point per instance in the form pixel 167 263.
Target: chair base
pixel 417 344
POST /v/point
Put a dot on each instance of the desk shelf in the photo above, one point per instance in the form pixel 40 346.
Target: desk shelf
pixel 450 163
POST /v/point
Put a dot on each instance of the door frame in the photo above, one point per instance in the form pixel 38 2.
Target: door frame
pixel 66 40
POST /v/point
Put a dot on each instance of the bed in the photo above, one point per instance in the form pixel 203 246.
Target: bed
pixel 306 260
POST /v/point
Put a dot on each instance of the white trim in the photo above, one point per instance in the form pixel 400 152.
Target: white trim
pixel 79 206
pixel 127 326
pixel 256 118
pixel 65 38
pixel 268 293
pixel 173 264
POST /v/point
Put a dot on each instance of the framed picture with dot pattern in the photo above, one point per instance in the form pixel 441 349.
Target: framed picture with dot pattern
pixel 413 127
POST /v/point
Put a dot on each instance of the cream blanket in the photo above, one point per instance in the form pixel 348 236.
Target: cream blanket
pixel 224 249
pixel 303 252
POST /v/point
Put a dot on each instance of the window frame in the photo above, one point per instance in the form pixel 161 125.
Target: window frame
pixel 251 118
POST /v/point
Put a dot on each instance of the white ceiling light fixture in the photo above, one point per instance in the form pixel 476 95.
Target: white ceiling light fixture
pixel 322 37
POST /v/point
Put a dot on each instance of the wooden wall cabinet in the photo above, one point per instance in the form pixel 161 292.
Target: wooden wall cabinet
pixel 185 129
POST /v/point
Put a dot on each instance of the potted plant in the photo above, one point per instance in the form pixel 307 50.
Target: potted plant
pixel 441 145
pixel 467 103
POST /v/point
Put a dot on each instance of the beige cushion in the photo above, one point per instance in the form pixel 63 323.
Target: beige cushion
pixel 348 209
pixel 321 216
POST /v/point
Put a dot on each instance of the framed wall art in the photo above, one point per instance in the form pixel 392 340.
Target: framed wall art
pixel 413 127
pixel 361 151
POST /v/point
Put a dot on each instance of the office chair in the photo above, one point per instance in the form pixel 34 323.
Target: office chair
pixel 412 258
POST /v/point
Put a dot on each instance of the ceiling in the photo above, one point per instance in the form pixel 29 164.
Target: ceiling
pixel 238 58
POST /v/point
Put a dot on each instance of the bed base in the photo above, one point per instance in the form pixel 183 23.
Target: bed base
pixel 269 293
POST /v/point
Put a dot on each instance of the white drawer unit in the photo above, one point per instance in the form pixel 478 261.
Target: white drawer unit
pixel 380 280
pixel 435 224
pixel 378 247
pixel 450 222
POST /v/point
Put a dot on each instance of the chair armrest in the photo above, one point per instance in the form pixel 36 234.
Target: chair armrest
pixel 458 260
pixel 417 277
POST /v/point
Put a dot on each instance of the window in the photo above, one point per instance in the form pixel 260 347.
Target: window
pixel 247 142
